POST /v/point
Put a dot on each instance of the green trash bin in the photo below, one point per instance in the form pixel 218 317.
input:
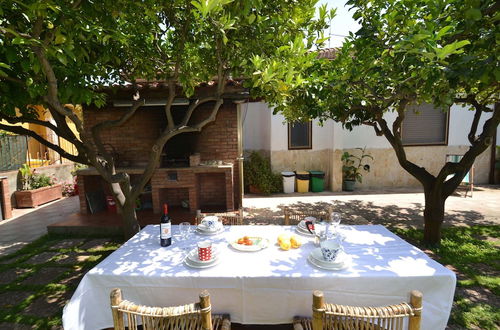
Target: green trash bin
pixel 317 181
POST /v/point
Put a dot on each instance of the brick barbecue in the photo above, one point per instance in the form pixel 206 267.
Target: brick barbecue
pixel 197 170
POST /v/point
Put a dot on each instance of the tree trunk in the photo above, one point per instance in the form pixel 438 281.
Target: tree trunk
pixel 433 217
pixel 130 223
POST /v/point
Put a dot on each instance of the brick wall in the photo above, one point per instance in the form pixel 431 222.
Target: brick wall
pixel 133 140
pixel 211 188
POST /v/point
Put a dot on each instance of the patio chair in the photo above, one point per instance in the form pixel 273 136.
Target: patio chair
pixel 227 218
pixel 468 180
pixel 293 217
pixel 332 316
pixel 191 316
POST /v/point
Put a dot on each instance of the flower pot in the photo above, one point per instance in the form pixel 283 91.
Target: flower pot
pixel 33 198
pixel 254 189
pixel 349 185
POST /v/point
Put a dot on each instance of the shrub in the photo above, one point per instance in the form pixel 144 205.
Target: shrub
pixel 31 180
pixel 258 173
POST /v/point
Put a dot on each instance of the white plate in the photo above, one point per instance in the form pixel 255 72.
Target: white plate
pixel 191 264
pixel 209 232
pixel 304 232
pixel 315 263
pixel 193 256
pixel 264 243
pixel 318 256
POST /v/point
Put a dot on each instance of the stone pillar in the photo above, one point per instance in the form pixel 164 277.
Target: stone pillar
pixel 5 198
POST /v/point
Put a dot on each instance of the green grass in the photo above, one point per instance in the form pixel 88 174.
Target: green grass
pixel 60 292
pixel 473 252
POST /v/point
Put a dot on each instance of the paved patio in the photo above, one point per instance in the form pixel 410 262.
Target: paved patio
pixel 395 207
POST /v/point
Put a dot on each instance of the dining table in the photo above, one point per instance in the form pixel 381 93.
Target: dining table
pixel 267 286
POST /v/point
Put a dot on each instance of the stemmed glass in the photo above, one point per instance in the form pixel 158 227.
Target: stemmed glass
pixel 335 221
pixel 185 231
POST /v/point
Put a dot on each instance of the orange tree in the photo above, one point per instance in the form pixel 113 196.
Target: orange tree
pixel 62 53
pixel 405 52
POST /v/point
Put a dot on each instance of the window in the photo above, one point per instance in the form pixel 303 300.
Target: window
pixel 425 125
pixel 300 135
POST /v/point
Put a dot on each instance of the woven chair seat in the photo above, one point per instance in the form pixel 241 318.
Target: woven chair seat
pixel 293 217
pixel 343 317
pixel 127 314
pixel 227 218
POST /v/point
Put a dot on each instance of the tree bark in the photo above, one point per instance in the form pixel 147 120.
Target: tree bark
pixel 131 225
pixel 433 214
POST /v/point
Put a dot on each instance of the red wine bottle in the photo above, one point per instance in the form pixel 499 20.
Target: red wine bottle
pixel 165 228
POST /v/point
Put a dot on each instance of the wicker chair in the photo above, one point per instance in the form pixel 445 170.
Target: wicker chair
pixel 227 218
pixel 331 316
pixel 293 217
pixel 192 316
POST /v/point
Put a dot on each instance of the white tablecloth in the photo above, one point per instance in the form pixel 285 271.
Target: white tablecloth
pixel 266 287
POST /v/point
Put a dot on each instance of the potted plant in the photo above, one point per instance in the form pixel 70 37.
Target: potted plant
pixel 258 175
pixel 352 167
pixel 36 189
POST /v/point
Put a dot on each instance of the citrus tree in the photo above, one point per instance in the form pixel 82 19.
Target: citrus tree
pixel 405 53
pixel 66 52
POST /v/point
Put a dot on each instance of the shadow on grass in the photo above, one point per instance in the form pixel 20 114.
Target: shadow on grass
pixel 355 212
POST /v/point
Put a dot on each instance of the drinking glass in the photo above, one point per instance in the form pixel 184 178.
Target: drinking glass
pixel 185 230
pixel 335 221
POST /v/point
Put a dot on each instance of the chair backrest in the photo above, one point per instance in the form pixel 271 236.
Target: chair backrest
pixel 469 177
pixel 293 217
pixel 191 316
pixel 332 316
pixel 227 218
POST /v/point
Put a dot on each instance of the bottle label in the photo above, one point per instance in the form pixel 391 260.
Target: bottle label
pixel 165 230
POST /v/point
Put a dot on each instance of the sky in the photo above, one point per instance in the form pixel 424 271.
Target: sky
pixel 342 24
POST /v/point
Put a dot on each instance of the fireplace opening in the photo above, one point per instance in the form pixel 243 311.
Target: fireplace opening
pixel 212 192
pixel 178 149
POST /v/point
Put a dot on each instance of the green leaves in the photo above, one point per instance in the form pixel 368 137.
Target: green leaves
pixel 450 49
pixel 206 7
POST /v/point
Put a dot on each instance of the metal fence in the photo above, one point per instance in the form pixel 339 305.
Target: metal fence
pixel 16 150
pixel 13 151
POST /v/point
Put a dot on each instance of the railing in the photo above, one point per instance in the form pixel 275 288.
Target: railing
pixel 16 150
pixel 13 150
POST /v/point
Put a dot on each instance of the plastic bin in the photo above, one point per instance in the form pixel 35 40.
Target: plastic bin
pixel 317 181
pixel 288 182
pixel 302 178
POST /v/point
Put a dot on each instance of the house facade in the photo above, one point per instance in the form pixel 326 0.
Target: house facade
pixel 428 137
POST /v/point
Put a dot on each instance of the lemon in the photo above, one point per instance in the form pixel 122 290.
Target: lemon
pixel 283 238
pixel 295 242
pixel 285 245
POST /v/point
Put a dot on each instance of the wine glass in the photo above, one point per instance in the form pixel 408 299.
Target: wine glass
pixel 184 230
pixel 335 221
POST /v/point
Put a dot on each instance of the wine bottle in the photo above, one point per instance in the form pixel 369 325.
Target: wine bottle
pixel 165 228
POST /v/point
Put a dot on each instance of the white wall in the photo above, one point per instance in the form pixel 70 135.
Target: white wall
pixel 460 122
pixel 256 117
pixel 322 136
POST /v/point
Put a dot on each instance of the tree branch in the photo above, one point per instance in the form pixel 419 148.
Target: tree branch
pixel 378 131
pixel 418 172
pixel 97 129
pixel 23 131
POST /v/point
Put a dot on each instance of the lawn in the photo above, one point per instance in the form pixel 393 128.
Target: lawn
pixel 37 281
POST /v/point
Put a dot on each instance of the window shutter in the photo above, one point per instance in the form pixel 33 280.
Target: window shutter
pixel 428 126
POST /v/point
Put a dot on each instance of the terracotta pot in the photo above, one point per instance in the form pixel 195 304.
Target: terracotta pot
pixel 33 198
pixel 254 190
